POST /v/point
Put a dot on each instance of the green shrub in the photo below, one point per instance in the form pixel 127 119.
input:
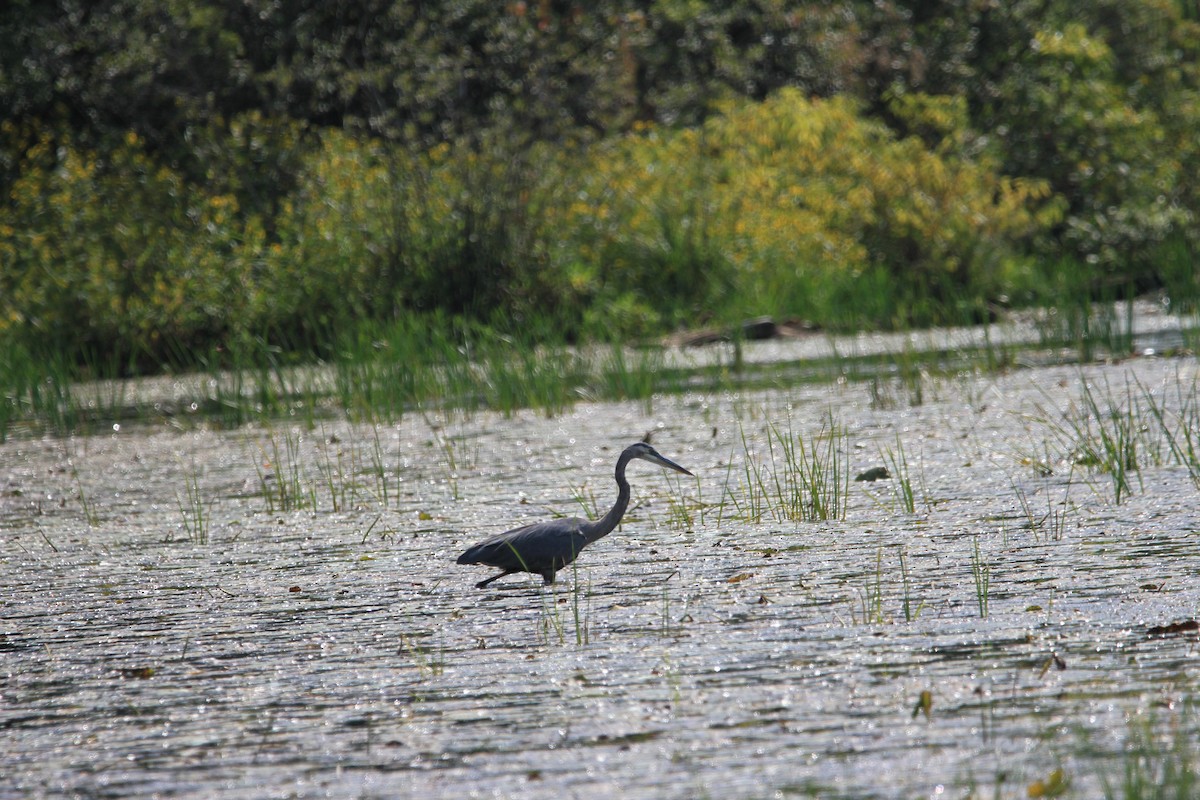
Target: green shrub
pixel 792 202
pixel 1070 120
pixel 111 256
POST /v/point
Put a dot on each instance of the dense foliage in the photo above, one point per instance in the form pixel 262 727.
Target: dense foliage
pixel 180 176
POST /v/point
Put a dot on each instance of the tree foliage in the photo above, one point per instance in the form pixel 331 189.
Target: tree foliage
pixel 176 173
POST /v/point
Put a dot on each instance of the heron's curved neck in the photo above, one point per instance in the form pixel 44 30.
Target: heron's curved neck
pixel 606 524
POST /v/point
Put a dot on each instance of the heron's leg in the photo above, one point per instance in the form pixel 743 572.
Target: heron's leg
pixel 548 575
pixel 483 584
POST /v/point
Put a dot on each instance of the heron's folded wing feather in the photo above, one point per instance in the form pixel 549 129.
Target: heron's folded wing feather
pixel 532 541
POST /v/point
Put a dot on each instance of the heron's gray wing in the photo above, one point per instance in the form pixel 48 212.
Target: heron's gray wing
pixel 531 547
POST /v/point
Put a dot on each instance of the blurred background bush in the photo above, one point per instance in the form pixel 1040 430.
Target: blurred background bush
pixel 179 177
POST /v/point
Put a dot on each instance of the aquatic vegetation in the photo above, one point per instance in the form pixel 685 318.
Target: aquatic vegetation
pixel 1157 764
pixel 685 510
pixel 750 498
pixel 912 609
pixel 902 488
pixel 451 457
pixel 871 595
pixel 332 475
pixel 797 480
pixel 282 479
pixel 1179 428
pixel 552 627
pixel 194 508
pixel 580 616
pixel 89 509
pixel 640 377
pixel 981 572
pixel 1118 435
pixel 429 659
pixel 586 499
pixel 1104 440
pixel 378 470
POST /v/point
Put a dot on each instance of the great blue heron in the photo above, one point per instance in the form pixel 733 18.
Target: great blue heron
pixel 546 547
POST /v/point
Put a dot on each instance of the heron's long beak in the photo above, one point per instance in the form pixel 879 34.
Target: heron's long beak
pixel 663 461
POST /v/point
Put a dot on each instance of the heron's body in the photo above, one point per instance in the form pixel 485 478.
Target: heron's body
pixel 546 547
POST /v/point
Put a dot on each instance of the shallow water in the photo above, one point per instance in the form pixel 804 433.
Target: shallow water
pixel 337 650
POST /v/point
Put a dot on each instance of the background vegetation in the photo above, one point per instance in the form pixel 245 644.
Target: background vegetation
pixel 186 180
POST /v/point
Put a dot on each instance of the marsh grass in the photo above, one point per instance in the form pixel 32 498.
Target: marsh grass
pixel 36 389
pixel 1033 522
pixel 282 481
pixel 378 372
pixel 981 572
pixel 634 375
pixel 430 661
pixel 15 374
pixel 872 599
pixel 194 509
pixel 1117 433
pixel 880 394
pixel 1106 439
pixel 322 471
pixel 1158 764
pixel 579 615
pixel 910 367
pixel 817 480
pixel 383 373
pixel 378 470
pixel 902 487
pixel 912 609
pixel 1084 312
pixel 797 480
pixel 871 595
pixel 684 510
pixel 332 476
pixel 1179 429
pixel 250 382
pixel 1057 515
pixel 550 624
pixel 751 502
pixel 552 627
pixel 1053 522
pixel 532 377
pixel 906 372
pixel 89 509
pixel 383 534
pixel 586 498
pixel 452 456
pixel 667 627
pixel 1095 328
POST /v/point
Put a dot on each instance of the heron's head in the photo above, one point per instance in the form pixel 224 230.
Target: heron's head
pixel 647 453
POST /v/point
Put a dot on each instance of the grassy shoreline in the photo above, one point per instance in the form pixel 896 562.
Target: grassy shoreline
pixel 382 378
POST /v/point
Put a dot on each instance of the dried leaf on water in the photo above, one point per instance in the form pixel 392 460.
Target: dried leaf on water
pixel 137 673
pixel 1053 786
pixel 1175 628
pixel 1054 660
pixel 924 705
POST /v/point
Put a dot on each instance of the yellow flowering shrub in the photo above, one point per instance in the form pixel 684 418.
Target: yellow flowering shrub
pixel 333 233
pixel 115 254
pixel 792 199
pixel 790 206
